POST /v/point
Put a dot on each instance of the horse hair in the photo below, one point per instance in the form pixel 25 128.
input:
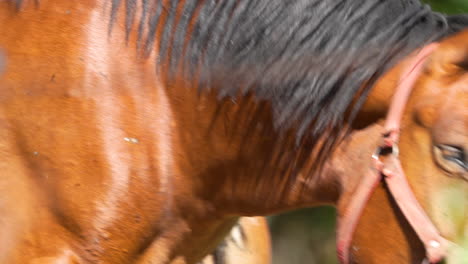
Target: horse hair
pixel 314 61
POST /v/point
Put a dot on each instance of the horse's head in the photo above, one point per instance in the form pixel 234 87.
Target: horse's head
pixel 433 151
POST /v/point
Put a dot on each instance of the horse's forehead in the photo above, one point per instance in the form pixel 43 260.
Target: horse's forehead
pixel 452 109
pixel 441 107
pixel 455 100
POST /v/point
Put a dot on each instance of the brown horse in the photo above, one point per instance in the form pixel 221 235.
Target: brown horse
pixel 105 160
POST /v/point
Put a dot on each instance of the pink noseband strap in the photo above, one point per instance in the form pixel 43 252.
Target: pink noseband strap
pixel 393 174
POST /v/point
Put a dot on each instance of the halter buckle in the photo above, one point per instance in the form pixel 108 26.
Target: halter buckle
pixel 385 150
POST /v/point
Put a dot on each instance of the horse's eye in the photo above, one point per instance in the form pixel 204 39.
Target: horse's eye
pixel 451 158
pixel 453 154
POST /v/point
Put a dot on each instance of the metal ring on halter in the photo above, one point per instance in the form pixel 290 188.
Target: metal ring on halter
pixel 395 150
pixel 378 152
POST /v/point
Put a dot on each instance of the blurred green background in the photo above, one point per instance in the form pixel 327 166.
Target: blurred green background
pixel 449 6
pixel 307 236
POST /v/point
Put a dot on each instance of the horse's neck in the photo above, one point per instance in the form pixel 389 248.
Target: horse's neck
pixel 257 157
pixel 232 154
pixel 235 150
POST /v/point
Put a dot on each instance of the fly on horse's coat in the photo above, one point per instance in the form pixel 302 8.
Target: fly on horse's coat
pixel 139 131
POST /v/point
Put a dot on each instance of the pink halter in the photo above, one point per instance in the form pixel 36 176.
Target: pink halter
pixel 392 172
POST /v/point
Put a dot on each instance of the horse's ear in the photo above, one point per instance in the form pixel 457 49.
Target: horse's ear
pixel 450 58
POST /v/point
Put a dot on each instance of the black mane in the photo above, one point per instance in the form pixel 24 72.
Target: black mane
pixel 311 59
